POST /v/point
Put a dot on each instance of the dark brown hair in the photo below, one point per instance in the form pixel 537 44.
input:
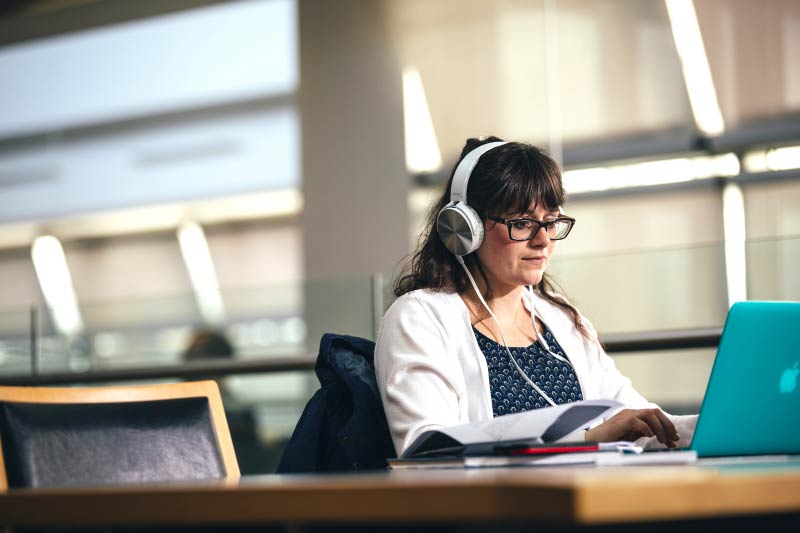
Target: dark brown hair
pixel 507 179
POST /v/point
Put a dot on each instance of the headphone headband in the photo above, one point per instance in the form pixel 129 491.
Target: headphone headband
pixel 459 226
pixel 458 189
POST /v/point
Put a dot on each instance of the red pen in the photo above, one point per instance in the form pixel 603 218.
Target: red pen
pixel 536 450
pixel 527 447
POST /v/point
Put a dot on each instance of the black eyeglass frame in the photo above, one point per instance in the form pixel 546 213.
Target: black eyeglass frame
pixel 540 224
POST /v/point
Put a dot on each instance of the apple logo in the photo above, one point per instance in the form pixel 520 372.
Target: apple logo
pixel 789 379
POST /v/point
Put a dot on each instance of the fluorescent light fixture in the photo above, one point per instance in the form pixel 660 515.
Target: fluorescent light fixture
pixel 650 173
pixel 755 161
pixel 787 158
pixel 552 77
pixel 694 63
pixel 422 148
pixel 51 268
pixel 784 158
pixel 203 276
pixel 733 220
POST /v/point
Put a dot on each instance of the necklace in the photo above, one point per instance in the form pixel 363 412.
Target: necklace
pixel 487 321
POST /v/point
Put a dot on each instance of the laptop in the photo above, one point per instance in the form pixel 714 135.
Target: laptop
pixel 752 402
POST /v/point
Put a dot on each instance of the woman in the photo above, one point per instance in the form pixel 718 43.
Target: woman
pixel 477 331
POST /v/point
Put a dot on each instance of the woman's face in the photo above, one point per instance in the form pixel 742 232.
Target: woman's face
pixel 510 264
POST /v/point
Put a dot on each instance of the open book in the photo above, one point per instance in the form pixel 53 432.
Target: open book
pixel 539 426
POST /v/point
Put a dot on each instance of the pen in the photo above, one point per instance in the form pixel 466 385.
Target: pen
pixel 536 450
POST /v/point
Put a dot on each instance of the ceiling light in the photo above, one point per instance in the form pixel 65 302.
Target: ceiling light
pixel 51 268
pixel 775 159
pixel 650 173
pixel 422 149
pixel 733 219
pixel 784 158
pixel 694 63
pixel 203 276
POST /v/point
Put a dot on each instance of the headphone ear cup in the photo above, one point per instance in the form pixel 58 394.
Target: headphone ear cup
pixel 460 228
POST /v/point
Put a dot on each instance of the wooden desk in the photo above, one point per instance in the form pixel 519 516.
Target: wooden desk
pixel 577 496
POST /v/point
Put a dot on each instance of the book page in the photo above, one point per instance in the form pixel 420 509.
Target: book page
pixel 526 425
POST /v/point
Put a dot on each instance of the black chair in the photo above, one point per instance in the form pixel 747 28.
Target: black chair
pixel 69 437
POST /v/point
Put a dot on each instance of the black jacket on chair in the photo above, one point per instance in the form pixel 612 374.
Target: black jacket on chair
pixel 343 426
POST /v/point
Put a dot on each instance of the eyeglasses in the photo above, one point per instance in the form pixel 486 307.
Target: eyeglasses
pixel 525 229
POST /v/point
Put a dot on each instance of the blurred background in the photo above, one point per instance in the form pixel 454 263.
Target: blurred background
pixel 203 188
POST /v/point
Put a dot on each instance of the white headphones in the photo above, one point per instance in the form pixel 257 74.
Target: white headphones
pixel 459 226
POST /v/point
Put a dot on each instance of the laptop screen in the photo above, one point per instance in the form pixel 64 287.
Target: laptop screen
pixel 752 402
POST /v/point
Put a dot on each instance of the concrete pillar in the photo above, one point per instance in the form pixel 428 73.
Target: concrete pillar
pixel 355 220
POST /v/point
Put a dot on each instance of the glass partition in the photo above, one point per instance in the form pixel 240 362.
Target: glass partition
pixel 283 320
pixel 262 411
pixel 647 290
pixel 675 379
pixel 772 269
pixel 15 341
pixel 642 290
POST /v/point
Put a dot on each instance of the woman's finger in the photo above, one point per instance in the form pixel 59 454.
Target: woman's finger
pixel 668 425
pixel 649 417
pixel 667 434
pixel 637 428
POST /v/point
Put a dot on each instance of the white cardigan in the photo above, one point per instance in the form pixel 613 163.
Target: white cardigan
pixel 431 372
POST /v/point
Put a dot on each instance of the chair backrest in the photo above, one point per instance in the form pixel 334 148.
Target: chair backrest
pixel 59 437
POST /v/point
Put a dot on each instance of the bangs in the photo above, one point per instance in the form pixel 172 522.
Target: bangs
pixel 531 179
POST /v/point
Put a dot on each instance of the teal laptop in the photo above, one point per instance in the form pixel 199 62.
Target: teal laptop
pixel 752 402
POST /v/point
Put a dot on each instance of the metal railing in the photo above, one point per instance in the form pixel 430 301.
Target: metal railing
pixel 614 344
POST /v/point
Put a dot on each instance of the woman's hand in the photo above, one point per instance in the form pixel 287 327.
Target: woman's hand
pixel 632 424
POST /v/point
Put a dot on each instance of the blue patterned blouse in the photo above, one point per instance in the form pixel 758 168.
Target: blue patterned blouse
pixel 510 392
